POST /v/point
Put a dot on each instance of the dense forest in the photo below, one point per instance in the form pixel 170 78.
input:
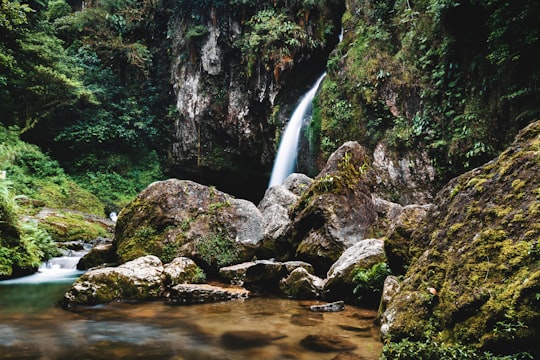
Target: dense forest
pixel 100 98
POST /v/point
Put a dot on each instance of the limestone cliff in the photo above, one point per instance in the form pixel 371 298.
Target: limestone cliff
pixel 234 67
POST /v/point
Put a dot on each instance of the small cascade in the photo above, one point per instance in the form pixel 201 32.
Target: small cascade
pixel 56 270
pixel 287 153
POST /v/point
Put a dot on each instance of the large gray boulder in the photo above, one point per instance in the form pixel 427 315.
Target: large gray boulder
pixel 334 213
pixel 175 218
pixel 340 278
pixel 139 279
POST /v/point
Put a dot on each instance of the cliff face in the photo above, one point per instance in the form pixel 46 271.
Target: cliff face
pixel 230 67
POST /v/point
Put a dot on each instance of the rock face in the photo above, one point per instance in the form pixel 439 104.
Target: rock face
pixel 226 92
pixel 406 178
pixel 140 279
pixel 334 213
pixel 475 275
pixel 365 254
pixel 181 218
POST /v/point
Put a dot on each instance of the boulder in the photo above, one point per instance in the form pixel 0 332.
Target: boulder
pixel 297 183
pixel 139 279
pixel 290 266
pixel 340 278
pixel 98 255
pixel 334 213
pixel 175 218
pixel 300 284
pixel 406 178
pixel 274 208
pixel 398 245
pixel 183 270
pixel 184 294
pixel 329 307
pixel 476 272
pixel 327 343
pixel 259 274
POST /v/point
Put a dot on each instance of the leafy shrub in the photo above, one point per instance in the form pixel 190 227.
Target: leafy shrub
pixel 23 246
pixel 414 350
pixel 217 250
pixel 369 282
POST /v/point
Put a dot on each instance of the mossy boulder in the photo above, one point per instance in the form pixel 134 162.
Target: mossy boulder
pixel 69 225
pixel 140 279
pixel 175 218
pixel 475 279
pixel 334 213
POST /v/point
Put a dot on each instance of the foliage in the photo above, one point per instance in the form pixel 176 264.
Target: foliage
pixel 412 75
pixel 369 282
pixel 412 350
pixel 217 250
pixel 23 246
pixel 40 179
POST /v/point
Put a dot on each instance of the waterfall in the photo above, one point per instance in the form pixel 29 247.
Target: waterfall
pixel 288 148
pixel 56 270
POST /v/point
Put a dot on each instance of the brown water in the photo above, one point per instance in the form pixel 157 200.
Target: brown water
pixel 33 327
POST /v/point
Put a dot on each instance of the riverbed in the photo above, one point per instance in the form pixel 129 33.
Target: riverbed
pixel 33 325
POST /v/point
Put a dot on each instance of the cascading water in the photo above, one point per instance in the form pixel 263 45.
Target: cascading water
pixel 288 148
pixel 62 269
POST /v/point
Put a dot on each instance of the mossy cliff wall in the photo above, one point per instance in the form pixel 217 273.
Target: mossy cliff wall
pixel 231 64
pixel 474 273
pixel 456 79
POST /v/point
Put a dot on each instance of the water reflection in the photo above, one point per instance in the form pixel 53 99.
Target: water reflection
pixel 260 328
pixel 33 326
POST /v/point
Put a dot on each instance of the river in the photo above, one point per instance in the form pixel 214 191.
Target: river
pixel 33 325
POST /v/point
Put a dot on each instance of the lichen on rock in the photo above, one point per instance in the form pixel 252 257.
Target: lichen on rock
pixel 477 279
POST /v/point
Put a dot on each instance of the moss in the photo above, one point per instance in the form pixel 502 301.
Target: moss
pixel 69 226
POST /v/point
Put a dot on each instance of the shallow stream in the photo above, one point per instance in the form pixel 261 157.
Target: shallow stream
pixel 34 326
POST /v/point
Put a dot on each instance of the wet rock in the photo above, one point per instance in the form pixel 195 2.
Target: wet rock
pixel 183 270
pixel 334 213
pixel 175 218
pixel 235 274
pixel 98 255
pixel 241 339
pixel 327 343
pixel 184 294
pixel 329 307
pixel 264 274
pixel 300 284
pixel 365 254
pixel 139 279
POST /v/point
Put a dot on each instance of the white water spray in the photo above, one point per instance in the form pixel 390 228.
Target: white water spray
pixel 56 270
pixel 288 148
